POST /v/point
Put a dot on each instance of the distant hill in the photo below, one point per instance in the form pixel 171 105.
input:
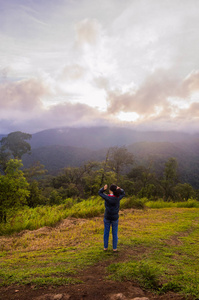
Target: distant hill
pixel 63 147
pixel 156 154
pixel 2 135
pixel 57 157
pixel 100 137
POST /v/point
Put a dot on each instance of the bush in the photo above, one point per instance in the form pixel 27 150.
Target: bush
pixel 162 204
pixel 133 202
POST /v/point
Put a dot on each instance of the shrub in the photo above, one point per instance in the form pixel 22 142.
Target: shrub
pixel 132 202
pixel 162 204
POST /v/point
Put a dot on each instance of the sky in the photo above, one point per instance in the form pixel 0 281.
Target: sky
pixel 132 63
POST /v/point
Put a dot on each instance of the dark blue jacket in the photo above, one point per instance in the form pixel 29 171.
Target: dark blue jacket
pixel 112 205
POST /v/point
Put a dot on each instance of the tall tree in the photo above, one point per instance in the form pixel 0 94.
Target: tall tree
pixel 35 172
pixel 143 182
pixel 76 178
pixel 105 164
pixel 13 188
pixel 4 158
pixel 170 178
pixel 184 191
pixel 119 157
pixel 16 143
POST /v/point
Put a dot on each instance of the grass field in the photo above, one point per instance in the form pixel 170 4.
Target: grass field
pixel 161 248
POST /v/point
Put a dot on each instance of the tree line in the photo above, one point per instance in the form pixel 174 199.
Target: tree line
pixel 34 186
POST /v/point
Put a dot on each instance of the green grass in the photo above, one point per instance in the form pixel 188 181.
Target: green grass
pixel 170 259
pixel 48 267
pixel 52 257
pixel 147 275
pixel 159 248
pixel 34 218
pixel 191 203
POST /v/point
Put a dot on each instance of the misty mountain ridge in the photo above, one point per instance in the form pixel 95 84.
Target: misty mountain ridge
pixel 57 157
pixel 153 154
pixel 100 137
pixel 2 135
pixel 64 147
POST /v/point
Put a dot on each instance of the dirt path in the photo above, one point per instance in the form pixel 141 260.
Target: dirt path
pixel 95 286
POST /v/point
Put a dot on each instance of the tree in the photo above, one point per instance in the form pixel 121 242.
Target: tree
pixel 105 164
pixel 13 188
pixel 144 182
pixel 184 191
pixel 92 181
pixel 4 158
pixel 35 196
pixel 169 180
pixel 75 179
pixel 35 172
pixel 16 143
pixel 33 175
pixel 119 157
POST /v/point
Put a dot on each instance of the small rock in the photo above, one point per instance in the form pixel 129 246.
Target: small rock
pixel 58 297
pixel 16 291
pixel 53 297
pixel 137 292
pixel 140 298
pixel 119 296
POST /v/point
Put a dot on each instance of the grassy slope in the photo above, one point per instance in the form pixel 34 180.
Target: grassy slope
pixel 166 256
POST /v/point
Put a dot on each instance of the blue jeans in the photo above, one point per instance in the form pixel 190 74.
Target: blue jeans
pixel 107 225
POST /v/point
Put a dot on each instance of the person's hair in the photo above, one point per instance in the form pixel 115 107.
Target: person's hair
pixel 116 192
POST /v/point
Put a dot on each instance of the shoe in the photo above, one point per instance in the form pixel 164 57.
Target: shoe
pixel 114 250
pixel 105 249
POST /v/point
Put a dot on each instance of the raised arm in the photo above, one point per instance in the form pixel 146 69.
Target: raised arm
pixel 122 193
pixel 101 192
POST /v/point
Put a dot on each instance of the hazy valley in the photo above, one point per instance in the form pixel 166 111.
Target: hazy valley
pixel 60 148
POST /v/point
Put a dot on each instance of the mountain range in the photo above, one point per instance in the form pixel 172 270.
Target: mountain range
pixel 63 147
pixel 100 137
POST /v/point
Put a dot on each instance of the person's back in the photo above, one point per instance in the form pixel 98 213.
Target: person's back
pixel 111 215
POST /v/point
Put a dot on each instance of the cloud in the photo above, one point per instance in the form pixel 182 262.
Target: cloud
pixel 72 114
pixel 154 95
pixel 136 57
pixel 158 102
pixel 101 82
pixel 72 72
pixel 21 95
pixel 4 72
pixel 190 84
pixel 22 108
pixel 87 32
pixel 61 115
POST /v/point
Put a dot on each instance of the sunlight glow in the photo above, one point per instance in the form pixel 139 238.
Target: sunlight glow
pixel 128 116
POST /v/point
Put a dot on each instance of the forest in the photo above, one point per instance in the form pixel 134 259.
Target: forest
pixel 34 186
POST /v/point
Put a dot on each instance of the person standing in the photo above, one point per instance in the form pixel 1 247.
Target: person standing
pixel 111 215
